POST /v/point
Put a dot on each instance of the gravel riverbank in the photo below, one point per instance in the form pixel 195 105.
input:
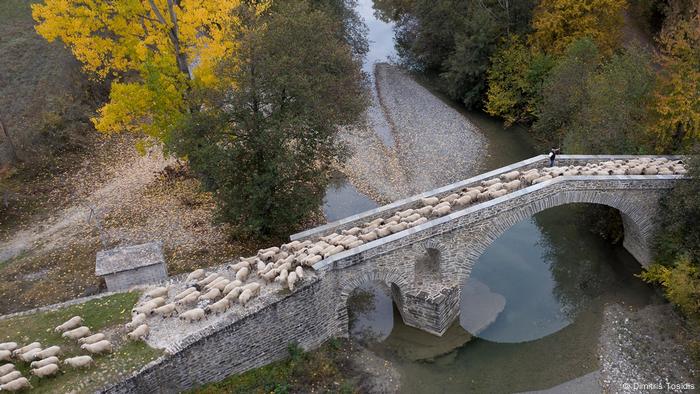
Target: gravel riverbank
pixel 644 350
pixel 433 144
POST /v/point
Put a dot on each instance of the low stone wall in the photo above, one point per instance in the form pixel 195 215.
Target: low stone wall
pixel 305 317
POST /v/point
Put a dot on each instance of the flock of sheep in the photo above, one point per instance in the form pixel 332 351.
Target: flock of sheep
pixel 210 292
pixel 45 362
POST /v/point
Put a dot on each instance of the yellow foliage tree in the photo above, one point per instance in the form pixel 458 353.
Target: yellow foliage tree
pixel 153 50
pixel 558 23
pixel 677 104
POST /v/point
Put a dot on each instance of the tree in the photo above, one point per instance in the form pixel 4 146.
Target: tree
pixel 677 104
pixel 558 23
pixel 154 51
pixel 613 116
pixel 515 81
pixel 266 146
pixel 564 93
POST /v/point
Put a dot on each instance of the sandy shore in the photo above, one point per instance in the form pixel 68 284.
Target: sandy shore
pixel 433 144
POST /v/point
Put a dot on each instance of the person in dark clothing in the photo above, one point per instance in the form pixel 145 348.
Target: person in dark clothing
pixel 553 155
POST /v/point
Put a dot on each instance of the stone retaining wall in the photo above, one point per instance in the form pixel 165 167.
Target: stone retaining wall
pixel 305 317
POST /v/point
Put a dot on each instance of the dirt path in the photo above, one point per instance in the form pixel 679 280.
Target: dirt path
pixel 63 227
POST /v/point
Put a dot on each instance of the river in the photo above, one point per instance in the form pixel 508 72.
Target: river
pixel 554 274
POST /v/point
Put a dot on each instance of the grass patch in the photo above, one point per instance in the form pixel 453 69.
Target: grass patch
pixel 106 315
pixel 325 369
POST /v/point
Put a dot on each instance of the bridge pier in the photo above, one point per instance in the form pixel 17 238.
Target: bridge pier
pixel 433 312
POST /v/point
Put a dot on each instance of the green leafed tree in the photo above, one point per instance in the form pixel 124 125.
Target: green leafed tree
pixel 266 146
pixel 515 81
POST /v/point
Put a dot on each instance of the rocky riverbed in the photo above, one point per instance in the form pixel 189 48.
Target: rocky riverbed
pixel 645 350
pixel 431 144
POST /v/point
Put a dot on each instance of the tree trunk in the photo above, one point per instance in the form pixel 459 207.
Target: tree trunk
pixel 13 151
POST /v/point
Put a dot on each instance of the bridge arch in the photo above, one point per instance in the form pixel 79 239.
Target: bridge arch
pixel 394 280
pixel 637 219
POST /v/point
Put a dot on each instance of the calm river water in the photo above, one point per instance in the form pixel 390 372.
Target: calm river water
pixel 554 274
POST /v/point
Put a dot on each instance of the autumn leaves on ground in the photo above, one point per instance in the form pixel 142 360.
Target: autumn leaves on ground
pixel 62 204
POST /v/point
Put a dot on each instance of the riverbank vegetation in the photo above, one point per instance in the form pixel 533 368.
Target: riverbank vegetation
pixel 565 67
pixel 324 370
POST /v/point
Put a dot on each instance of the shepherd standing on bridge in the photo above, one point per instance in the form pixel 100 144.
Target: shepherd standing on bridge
pixel 552 155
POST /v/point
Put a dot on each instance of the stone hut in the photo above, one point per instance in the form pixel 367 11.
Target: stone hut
pixel 127 266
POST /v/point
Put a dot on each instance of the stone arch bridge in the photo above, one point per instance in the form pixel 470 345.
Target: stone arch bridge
pixel 426 266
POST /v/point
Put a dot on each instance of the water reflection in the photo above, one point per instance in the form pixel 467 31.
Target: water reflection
pixel 343 199
pixel 380 36
pixel 556 276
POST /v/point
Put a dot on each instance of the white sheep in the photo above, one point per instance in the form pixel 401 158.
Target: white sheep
pixel 211 295
pixel 411 218
pixel 353 231
pixel 512 185
pixel 234 293
pixel 221 285
pixel 635 170
pixel 334 250
pixel 394 219
pixel 219 306
pixel 46 361
pixel 270 249
pixel 29 355
pixel 5 355
pixel 498 193
pixel 418 222
pixel 269 276
pixel 429 201
pixel 292 246
pixel 529 177
pixel 261 265
pixel 651 171
pixel 24 349
pixel 450 198
pixel 103 346
pixel 189 300
pixel 92 338
pixel 209 278
pixel 139 319
pixel 8 346
pixel 232 285
pixel 541 179
pixel 253 287
pixel 166 310
pixel 78 361
pixel 158 292
pixel 195 314
pixel 245 296
pixel 195 275
pixel 425 211
pixel 347 241
pixel 490 182
pixel 282 277
pixel 10 376
pixel 70 324
pixel 242 274
pixel 398 227
pixel 267 255
pixel 46 370
pixel 313 260
pixel 185 293
pixel 49 352
pixel 146 308
pixel 376 222
pixel 267 268
pixel 383 231
pixel 213 283
pixel 355 244
pixel 509 176
pixel 442 211
pixel 16 385
pixel 369 237
pixel 6 368
pixel 139 333
pixel 291 280
pixel 300 272
pixel 238 266
pixel 463 201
